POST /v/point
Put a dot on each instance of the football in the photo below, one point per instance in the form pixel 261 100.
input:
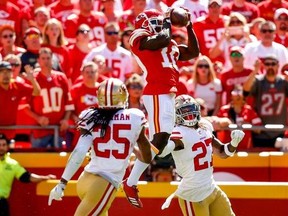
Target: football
pixel 179 17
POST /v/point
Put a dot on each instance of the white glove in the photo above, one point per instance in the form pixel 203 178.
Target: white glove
pixel 236 137
pixel 56 193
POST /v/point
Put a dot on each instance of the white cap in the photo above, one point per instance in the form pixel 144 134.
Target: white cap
pixel 279 12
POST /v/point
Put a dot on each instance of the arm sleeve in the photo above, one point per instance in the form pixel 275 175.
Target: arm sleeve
pixel 77 156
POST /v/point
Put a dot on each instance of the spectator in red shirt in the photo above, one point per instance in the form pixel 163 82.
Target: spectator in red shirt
pixel 239 113
pixel 79 50
pixel 247 9
pixel 84 93
pixel 28 14
pixel 54 39
pixel 108 8
pixel 54 105
pixel 128 17
pixel 7 40
pixel 11 93
pixel 267 8
pixel 40 19
pixel 94 19
pixel 61 9
pixel 210 28
pixel 281 22
pixel 237 75
pixel 10 15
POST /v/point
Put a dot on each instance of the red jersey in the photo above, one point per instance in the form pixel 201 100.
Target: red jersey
pixel 282 40
pixel 229 79
pixel 267 8
pixel 246 116
pixel 127 19
pixel 10 15
pixel 15 50
pixel 208 33
pixel 9 100
pixel 61 12
pixel 159 66
pixel 249 10
pixel 83 97
pixel 62 54
pixel 96 21
pixel 76 58
pixel 54 101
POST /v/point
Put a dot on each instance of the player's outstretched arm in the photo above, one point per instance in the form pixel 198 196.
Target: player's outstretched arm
pixel 74 162
pixel 191 50
pixel 227 150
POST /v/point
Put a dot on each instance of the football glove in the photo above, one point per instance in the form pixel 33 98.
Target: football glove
pixel 56 193
pixel 236 137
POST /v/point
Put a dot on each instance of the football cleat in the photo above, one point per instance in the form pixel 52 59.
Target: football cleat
pixel 132 195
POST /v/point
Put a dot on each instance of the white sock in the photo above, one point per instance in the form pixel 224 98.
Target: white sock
pixel 137 170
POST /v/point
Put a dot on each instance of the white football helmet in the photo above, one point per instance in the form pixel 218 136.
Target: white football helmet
pixel 187 110
pixel 112 93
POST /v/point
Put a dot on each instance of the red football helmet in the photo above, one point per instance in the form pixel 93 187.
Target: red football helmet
pixel 151 20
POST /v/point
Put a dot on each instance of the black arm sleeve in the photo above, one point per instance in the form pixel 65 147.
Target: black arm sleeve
pixel 25 177
pixel 160 40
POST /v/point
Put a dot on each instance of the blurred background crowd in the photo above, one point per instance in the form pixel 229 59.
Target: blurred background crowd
pixel 55 53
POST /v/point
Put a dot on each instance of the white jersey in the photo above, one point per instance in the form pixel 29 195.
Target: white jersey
pixel 196 8
pixel 110 154
pixel 256 50
pixel 194 162
pixel 208 92
pixel 120 60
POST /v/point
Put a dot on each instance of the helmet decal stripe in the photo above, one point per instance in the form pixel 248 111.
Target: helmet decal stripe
pixel 156 113
pixel 108 92
pixel 106 87
pixel 111 94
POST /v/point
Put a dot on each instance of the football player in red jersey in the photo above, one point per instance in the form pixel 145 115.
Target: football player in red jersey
pixel 157 54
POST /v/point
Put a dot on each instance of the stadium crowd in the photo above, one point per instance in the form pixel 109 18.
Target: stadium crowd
pixel 70 46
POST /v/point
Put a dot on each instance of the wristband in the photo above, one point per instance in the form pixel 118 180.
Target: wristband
pixel 227 152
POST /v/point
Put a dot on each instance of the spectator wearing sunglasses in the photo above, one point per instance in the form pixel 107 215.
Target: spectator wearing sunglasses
pixel 265 46
pixel 7 40
pixel 236 75
pixel 205 85
pixel 118 59
pixel 135 89
pixel 236 34
pixel 79 50
pixel 269 92
pixel 239 113
pixel 281 22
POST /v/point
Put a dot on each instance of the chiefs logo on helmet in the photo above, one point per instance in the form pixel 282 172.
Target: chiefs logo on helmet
pixel 151 20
